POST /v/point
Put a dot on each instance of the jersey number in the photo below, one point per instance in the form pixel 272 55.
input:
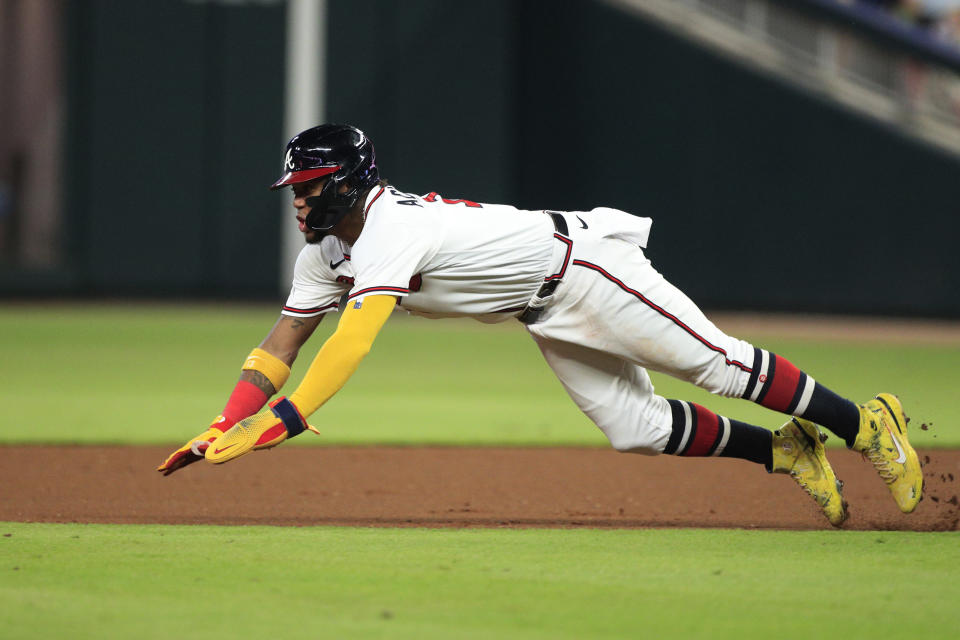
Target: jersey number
pixel 432 197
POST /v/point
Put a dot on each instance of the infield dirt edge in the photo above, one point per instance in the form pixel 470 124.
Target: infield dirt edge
pixel 415 486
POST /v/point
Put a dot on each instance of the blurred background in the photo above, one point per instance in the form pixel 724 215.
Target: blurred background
pixel 795 155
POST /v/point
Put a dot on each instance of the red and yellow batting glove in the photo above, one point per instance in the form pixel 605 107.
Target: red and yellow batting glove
pixel 195 447
pixel 270 427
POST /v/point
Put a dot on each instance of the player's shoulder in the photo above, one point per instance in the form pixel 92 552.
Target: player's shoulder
pixel 389 197
pixel 388 211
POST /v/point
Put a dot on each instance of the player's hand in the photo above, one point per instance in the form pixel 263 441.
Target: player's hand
pixel 195 447
pixel 270 427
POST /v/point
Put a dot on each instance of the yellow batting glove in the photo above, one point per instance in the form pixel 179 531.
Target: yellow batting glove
pixel 270 427
pixel 195 447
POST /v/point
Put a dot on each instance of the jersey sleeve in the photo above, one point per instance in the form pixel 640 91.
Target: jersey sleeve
pixel 315 288
pixel 385 261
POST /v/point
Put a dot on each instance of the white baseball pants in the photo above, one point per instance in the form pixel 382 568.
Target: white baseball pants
pixel 612 317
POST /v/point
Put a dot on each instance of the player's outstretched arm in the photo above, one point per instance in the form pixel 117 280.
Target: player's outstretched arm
pixel 264 372
pixel 334 364
pixel 287 336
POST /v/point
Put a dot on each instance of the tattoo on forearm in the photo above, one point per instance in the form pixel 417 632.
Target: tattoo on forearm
pixel 297 323
pixel 261 381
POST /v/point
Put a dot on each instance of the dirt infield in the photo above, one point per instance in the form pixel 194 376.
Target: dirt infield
pixel 449 487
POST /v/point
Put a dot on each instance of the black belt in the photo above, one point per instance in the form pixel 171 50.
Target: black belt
pixel 531 314
pixel 559 223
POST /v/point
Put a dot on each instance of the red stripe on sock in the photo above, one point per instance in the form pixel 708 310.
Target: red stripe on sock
pixel 708 424
pixel 786 378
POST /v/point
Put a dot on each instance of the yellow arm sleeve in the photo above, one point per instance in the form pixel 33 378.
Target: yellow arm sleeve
pixel 341 354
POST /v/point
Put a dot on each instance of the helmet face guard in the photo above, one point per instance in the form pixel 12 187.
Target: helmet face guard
pixel 330 207
pixel 341 152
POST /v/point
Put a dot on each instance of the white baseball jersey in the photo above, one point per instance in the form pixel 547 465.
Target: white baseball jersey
pixel 440 258
pixel 610 318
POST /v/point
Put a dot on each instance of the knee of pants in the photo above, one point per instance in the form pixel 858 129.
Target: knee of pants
pixel 721 378
pixel 629 432
pixel 645 448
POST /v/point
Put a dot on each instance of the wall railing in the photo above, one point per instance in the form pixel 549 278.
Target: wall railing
pixel 867 62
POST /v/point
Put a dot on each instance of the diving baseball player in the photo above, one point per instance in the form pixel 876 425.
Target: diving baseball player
pixel 586 292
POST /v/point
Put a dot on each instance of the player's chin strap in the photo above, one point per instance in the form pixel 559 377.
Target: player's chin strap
pixel 330 207
pixel 323 215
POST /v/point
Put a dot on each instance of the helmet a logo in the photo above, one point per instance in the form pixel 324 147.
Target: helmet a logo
pixel 289 160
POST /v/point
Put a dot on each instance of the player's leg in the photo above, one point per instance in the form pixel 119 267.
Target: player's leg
pixel 619 398
pixel 614 301
pixel 703 354
pixel 776 383
pixel 878 428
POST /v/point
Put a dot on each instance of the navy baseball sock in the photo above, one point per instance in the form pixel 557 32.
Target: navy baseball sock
pixel 833 412
pixel 748 442
pixel 700 432
pixel 777 384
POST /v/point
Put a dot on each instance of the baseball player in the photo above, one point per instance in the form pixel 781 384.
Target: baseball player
pixel 586 292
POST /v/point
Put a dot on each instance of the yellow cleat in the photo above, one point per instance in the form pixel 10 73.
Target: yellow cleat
pixel 883 440
pixel 798 450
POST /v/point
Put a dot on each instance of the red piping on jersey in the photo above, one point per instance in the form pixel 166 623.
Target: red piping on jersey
pixel 375 289
pixel 566 258
pixel 663 312
pixel 314 310
pixel 367 210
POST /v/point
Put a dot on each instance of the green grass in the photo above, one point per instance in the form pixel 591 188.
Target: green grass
pixel 96 581
pixel 159 373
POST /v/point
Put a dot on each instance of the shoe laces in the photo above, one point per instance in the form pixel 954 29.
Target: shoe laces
pixel 881 464
pixel 798 477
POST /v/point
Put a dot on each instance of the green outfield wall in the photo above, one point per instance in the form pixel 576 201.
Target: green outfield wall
pixel 173 136
pixel 763 197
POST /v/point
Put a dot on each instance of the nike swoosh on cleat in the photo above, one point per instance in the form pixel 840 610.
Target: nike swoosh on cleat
pixel 903 454
pixel 218 450
pixel 334 266
pixel 892 414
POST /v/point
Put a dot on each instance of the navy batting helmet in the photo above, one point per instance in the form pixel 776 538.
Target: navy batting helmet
pixel 337 150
